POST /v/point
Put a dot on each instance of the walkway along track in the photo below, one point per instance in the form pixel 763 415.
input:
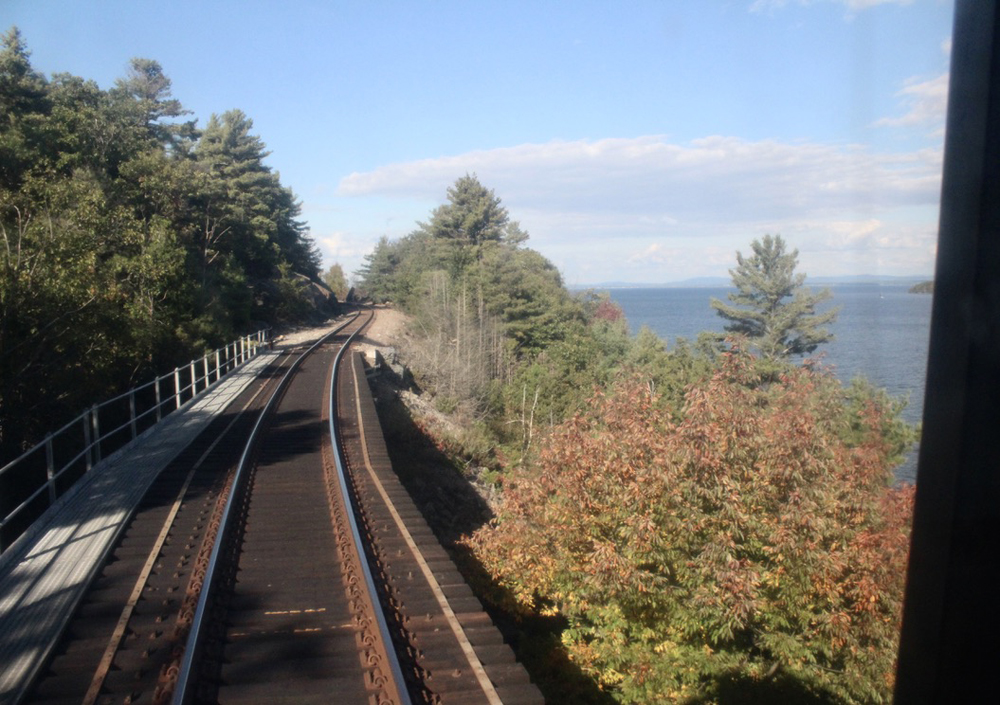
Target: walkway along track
pixel 290 616
pixel 125 639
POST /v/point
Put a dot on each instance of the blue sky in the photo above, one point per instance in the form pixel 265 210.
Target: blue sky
pixel 634 141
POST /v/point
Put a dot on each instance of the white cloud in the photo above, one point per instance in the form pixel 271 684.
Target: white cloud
pixel 656 253
pixel 649 183
pixel 343 248
pixel 926 102
pixel 865 4
pixel 341 244
pixel 647 209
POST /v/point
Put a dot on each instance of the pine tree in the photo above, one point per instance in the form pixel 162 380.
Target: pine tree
pixel 146 93
pixel 472 216
pixel 24 108
pixel 765 281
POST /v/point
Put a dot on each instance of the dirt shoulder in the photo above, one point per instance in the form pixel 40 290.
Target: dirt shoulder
pixel 421 439
pixel 387 329
pixel 297 335
pixel 384 332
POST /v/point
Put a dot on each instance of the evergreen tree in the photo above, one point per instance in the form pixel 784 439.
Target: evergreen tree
pixel 473 214
pixel 378 273
pixel 248 217
pixel 146 92
pixel 473 220
pixel 24 107
pixel 125 246
pixel 765 281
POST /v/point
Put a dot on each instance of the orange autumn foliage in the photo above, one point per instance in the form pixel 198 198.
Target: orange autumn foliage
pixel 754 538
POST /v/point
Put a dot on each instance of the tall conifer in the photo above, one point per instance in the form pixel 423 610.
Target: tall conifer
pixel 773 308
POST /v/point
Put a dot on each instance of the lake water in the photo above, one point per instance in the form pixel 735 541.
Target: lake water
pixel 882 333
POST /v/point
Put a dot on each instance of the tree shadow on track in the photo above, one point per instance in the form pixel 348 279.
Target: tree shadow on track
pixel 453 508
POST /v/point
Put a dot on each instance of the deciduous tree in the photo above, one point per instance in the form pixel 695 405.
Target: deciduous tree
pixel 335 279
pixel 749 542
pixel 24 107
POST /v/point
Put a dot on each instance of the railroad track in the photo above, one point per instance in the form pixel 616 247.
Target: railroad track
pixel 290 567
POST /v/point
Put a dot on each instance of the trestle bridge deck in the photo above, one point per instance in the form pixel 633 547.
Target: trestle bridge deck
pixel 292 567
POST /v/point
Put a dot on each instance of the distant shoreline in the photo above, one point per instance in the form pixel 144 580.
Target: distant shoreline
pixel 721 282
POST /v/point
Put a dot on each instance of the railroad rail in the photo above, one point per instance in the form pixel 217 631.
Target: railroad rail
pixel 290 567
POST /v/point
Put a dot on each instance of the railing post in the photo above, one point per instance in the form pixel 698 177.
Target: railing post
pixel 243 349
pixel 131 411
pixel 95 427
pixel 50 469
pixel 86 440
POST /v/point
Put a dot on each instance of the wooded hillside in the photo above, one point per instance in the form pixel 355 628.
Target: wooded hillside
pixel 708 525
pixel 131 239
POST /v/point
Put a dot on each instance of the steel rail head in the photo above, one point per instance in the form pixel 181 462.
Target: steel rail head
pixel 184 692
pixel 383 626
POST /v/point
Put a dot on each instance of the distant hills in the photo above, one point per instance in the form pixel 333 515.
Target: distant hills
pixel 870 279
pixel 706 282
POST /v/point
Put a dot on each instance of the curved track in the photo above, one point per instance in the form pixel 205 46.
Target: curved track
pixel 449 647
pixel 321 569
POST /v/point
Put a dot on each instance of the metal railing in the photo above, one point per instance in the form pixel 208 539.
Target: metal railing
pixel 33 481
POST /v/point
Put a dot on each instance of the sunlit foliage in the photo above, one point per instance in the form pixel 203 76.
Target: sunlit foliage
pixel 749 540
pixel 773 308
pixel 482 304
pixel 130 240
